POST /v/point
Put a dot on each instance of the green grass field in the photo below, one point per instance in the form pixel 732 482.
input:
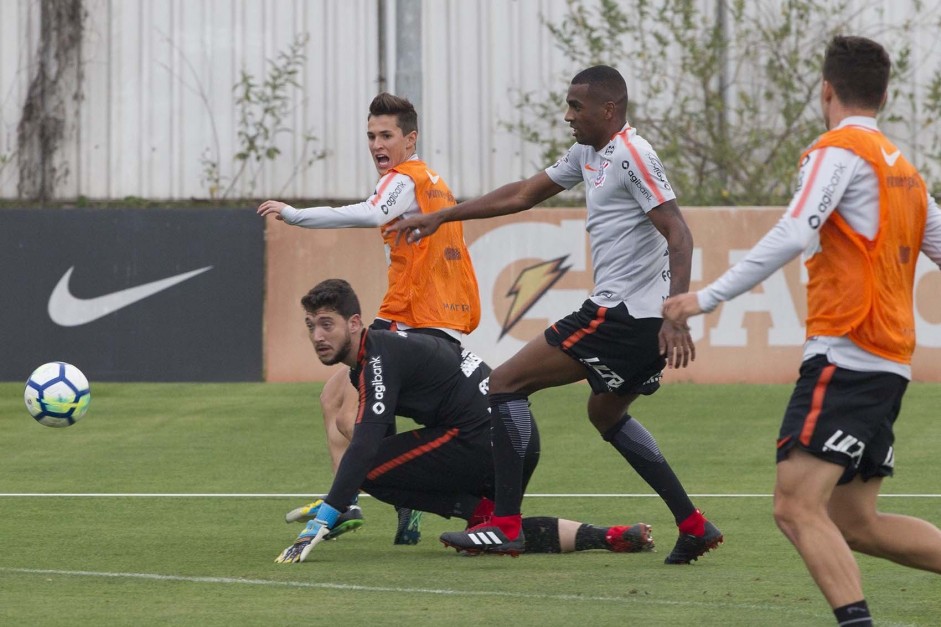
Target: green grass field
pixel 181 492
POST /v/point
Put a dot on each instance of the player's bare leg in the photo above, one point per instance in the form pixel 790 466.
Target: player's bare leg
pixel 905 540
pixel 567 531
pixel 802 492
pixel 339 403
pixel 536 366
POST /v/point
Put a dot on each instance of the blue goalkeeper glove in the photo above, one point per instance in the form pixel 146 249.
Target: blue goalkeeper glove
pixel 313 534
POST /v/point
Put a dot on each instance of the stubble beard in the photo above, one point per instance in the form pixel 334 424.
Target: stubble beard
pixel 341 354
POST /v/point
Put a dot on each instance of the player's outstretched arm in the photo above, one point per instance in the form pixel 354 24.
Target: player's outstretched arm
pixel 511 198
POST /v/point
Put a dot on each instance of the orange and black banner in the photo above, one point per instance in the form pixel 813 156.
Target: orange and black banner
pixel 535 267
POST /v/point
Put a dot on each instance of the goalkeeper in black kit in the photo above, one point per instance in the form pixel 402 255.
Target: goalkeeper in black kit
pixel 444 467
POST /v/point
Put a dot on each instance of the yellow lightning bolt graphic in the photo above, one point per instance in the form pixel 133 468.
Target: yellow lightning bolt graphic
pixel 529 287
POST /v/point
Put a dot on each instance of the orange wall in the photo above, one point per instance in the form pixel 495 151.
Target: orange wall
pixel 755 338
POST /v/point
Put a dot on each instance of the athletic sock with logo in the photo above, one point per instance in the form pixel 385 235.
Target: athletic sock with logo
pixel 640 449
pixel 853 615
pixel 512 427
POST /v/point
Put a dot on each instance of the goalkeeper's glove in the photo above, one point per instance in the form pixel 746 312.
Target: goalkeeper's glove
pixel 312 535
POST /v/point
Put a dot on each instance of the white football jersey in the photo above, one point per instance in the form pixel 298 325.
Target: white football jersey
pixel 623 182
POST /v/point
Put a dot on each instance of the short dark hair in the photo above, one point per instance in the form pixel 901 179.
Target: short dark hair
pixel 334 294
pixel 605 84
pixel 403 110
pixel 858 69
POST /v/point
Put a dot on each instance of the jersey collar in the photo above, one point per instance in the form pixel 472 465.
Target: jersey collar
pixel 622 135
pixel 859 120
pixel 361 353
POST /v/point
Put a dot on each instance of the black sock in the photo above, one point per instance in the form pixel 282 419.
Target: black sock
pixel 511 426
pixel 542 534
pixel 639 448
pixel 853 615
pixel 589 537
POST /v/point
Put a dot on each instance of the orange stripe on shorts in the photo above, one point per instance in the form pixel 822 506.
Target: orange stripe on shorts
pixel 408 456
pixel 591 328
pixel 816 404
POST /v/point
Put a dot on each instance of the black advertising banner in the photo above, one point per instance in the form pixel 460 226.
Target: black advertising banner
pixel 132 294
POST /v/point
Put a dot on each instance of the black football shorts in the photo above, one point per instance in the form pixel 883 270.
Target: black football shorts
pixel 845 417
pixel 620 352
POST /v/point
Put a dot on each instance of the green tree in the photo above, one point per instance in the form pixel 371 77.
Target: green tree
pixel 727 91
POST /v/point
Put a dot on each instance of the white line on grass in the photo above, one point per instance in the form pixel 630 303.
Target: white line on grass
pixel 627 600
pixel 181 495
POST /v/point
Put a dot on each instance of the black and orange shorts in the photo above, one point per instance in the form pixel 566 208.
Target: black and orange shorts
pixel 845 417
pixel 620 352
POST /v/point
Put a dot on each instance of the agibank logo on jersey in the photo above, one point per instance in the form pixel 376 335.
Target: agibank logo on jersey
pixel 636 180
pixel 393 197
pixel 377 383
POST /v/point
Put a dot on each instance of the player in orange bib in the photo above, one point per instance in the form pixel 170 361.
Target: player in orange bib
pixel 861 214
pixel 432 288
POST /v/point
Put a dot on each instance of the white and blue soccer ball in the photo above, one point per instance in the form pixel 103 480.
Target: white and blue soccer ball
pixel 57 394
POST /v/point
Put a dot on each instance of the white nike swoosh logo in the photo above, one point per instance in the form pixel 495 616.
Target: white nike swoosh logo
pixel 69 311
pixel 890 159
pixel 434 177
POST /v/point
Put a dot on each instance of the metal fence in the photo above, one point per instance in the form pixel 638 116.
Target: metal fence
pixel 154 111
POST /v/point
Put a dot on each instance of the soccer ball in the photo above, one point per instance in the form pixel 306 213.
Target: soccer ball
pixel 57 394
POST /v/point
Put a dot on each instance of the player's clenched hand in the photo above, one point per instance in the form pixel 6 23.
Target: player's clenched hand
pixel 271 206
pixel 313 534
pixel 414 228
